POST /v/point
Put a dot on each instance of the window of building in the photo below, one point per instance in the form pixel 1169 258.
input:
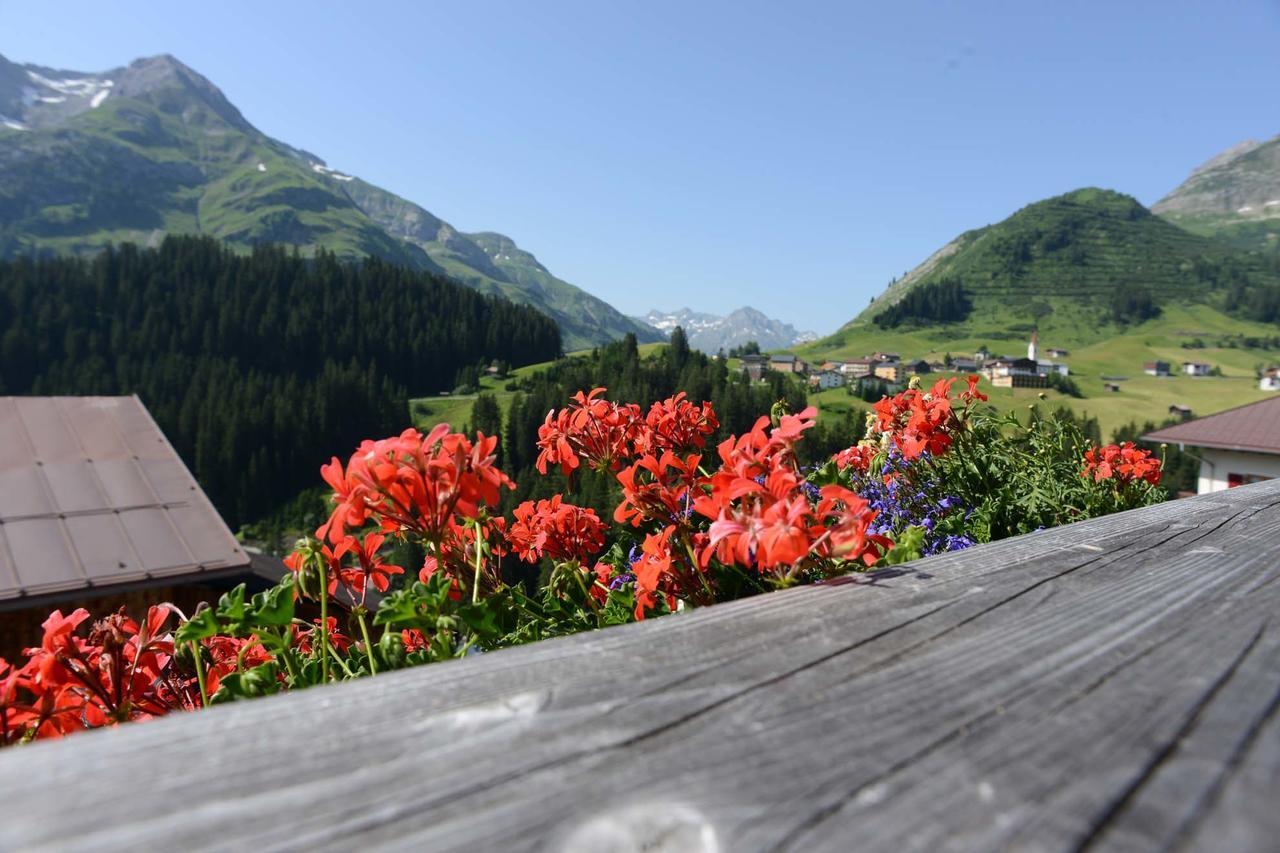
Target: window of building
pixel 1234 480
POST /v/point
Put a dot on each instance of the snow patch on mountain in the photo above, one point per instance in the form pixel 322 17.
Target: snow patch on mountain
pixel 83 87
pixel 711 333
pixel 321 169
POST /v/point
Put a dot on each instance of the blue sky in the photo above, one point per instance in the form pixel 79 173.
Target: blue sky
pixel 788 156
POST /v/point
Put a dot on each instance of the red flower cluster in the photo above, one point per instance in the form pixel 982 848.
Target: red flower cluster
pixel 1125 463
pixel 858 457
pixel 677 425
pixel 433 487
pixel 120 672
pixel 556 530
pixel 413 483
pixel 763 519
pixel 607 435
pixel 917 422
pixel 657 489
pixel 592 429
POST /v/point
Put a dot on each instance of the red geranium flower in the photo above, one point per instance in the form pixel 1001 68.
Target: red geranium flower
pixel 556 530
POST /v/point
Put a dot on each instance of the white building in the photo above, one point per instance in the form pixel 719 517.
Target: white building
pixel 826 379
pixel 1196 368
pixel 1270 380
pixel 1235 447
pixel 1046 367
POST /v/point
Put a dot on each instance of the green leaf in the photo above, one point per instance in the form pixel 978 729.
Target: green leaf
pixel 231 606
pixel 260 681
pixel 202 625
pixel 272 608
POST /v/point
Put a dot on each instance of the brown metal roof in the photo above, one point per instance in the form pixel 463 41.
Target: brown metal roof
pixel 93 495
pixel 1254 428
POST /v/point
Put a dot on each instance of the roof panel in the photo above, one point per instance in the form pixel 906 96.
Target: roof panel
pixel 15 450
pixel 124 483
pixel 92 494
pixel 96 426
pixel 155 540
pixel 74 487
pixel 23 493
pixel 9 584
pixel 168 478
pixel 103 549
pixel 47 431
pixel 209 545
pixel 41 556
pixel 140 433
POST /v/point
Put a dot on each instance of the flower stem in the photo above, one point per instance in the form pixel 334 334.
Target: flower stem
pixel 368 647
pixel 475 587
pixel 204 691
pixel 324 621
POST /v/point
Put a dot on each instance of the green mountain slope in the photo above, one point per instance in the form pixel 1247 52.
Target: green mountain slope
pixel 154 148
pixel 1235 197
pixel 1063 267
pixel 1072 263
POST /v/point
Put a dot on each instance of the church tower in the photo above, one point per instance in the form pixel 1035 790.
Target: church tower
pixel 1032 350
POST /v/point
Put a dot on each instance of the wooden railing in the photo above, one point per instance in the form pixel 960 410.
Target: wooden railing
pixel 1110 684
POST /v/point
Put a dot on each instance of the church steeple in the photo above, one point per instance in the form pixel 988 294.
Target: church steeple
pixel 1032 348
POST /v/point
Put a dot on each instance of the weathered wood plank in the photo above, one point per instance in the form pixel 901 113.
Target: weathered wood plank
pixel 1112 684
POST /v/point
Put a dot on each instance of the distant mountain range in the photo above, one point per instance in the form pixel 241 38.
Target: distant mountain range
pixel 1235 197
pixel 711 333
pixel 154 148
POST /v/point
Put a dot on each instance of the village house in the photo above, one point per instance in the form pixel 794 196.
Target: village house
pixel 1156 368
pixel 919 367
pixel 1196 368
pixel 1110 386
pixel 787 363
pixel 825 379
pixel 1177 410
pixel 858 367
pixel 886 356
pixel 753 367
pixel 937 367
pixel 1270 379
pixel 965 365
pixel 1007 366
pixel 890 371
pixel 1008 372
pixel 1235 447
pixel 1055 352
pixel 98 511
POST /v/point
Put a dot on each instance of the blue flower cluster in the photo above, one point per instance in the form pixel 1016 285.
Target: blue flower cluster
pixel 911 494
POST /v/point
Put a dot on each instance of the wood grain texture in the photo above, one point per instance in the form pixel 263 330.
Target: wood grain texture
pixel 1109 685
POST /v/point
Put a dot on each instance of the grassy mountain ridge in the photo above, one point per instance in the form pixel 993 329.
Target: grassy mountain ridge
pixel 151 149
pixel 1059 263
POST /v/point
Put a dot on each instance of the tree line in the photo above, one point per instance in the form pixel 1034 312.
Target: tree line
pixel 943 301
pixel 257 367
